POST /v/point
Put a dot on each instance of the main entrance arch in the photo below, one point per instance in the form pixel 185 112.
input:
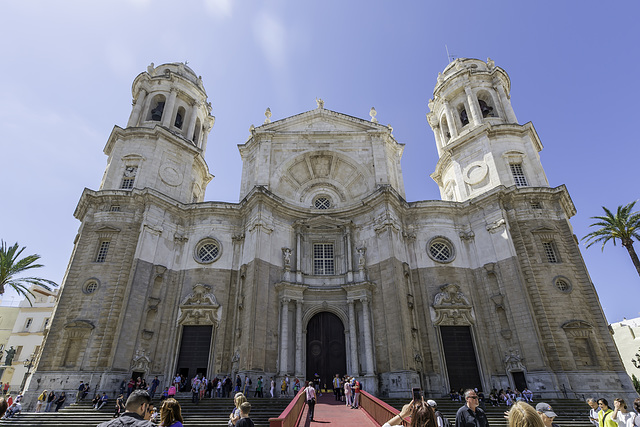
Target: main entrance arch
pixel 326 354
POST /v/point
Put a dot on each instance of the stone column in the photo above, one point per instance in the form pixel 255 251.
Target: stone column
pixel 137 109
pixel 168 109
pixel 368 345
pixel 284 337
pixel 453 130
pixel 476 116
pixel 298 256
pixel 506 104
pixel 299 338
pixel 192 121
pixel 205 138
pixel 355 370
pixel 349 256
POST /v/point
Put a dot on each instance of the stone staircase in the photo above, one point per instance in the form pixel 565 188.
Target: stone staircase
pixel 215 412
pixel 208 413
pixel 571 412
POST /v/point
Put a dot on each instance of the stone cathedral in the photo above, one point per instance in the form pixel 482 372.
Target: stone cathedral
pixel 324 266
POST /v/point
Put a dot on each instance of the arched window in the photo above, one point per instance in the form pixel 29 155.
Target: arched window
pixel 179 118
pixel 464 118
pixel 487 107
pixel 446 135
pixel 196 132
pixel 157 107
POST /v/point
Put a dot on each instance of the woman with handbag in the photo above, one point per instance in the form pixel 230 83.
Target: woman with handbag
pixel 311 398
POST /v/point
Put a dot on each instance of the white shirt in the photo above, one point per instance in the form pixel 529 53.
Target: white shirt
pixel 625 419
pixel 593 413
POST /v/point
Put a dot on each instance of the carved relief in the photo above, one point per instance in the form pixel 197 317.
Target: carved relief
pixel 451 307
pixel 513 361
pixel 199 308
pixel 141 361
pixel 496 226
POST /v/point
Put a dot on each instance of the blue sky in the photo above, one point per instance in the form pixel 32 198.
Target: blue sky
pixel 68 68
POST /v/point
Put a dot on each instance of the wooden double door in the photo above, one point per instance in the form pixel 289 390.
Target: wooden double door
pixel 326 352
pixel 194 350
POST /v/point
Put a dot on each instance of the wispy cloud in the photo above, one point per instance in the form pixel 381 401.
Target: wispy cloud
pixel 271 36
pixel 218 8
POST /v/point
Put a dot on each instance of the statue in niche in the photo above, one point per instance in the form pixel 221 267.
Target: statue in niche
pixel 10 355
pixel 362 262
pixel 235 361
pixel 286 258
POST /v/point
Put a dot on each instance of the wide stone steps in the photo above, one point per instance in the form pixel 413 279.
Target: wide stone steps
pixel 215 412
pixel 208 413
pixel 571 412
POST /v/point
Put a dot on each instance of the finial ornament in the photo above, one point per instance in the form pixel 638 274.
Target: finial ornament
pixel 373 114
pixel 267 114
pixel 320 103
pixel 491 63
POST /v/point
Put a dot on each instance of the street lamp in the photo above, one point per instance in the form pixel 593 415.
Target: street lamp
pixel 28 363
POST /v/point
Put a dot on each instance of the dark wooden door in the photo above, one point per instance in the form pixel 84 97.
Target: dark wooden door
pixel 326 353
pixel 519 380
pixel 194 350
pixel 462 365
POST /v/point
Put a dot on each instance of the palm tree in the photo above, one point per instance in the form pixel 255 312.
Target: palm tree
pixel 11 266
pixel 623 225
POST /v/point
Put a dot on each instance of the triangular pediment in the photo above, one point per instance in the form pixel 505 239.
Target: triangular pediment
pixel 321 120
pixel 323 222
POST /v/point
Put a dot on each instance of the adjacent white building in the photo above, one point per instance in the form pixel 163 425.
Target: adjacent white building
pixel 626 334
pixel 27 336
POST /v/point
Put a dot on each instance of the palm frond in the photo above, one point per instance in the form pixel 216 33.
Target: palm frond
pixel 11 265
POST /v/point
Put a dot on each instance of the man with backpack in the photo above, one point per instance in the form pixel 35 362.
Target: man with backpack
pixel 441 420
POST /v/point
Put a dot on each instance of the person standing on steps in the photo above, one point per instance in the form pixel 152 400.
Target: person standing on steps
pixel 244 420
pixel 337 385
pixel 311 399
pixel 470 415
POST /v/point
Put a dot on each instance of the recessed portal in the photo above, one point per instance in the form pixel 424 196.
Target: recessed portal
pixel 460 356
pixel 194 350
pixel 326 353
pixel 519 380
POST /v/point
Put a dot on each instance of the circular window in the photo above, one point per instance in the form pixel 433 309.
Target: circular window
pixel 322 202
pixel 207 251
pixel 563 284
pixel 440 249
pixel 90 286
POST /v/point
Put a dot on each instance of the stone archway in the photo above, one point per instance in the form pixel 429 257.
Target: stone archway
pixel 198 320
pixel 326 350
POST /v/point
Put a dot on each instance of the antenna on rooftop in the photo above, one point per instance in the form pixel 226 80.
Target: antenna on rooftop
pixel 450 57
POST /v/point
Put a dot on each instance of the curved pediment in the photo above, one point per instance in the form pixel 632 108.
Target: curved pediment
pixel 326 173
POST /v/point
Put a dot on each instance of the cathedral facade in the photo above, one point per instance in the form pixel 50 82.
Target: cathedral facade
pixel 323 266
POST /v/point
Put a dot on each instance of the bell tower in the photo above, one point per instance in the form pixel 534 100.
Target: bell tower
pixel 163 146
pixel 480 143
